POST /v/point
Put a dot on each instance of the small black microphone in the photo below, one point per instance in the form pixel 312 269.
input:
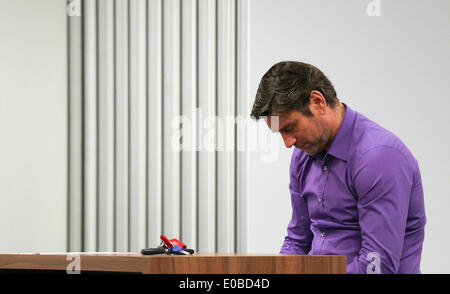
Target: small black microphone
pixel 191 251
pixel 151 251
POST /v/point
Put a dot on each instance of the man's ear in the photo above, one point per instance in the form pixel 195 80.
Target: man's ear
pixel 317 103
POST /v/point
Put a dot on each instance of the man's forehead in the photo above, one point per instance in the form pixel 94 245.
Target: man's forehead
pixel 277 121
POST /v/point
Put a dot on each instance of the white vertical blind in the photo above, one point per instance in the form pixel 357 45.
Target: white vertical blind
pixel 75 80
pixel 89 214
pixel 155 102
pixel 171 108
pixel 226 99
pixel 105 125
pixel 138 122
pixel 155 87
pixel 189 122
pixel 122 125
pixel 243 106
pixel 207 126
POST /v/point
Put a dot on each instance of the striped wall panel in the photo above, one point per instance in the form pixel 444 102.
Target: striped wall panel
pixel 154 89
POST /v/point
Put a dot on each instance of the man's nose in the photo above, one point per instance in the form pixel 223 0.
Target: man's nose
pixel 288 140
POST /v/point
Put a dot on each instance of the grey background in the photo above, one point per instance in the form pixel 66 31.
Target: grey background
pixel 33 126
pixel 393 68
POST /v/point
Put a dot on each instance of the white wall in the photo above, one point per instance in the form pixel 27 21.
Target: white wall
pixel 33 126
pixel 394 68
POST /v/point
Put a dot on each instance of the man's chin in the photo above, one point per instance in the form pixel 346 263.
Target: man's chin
pixel 304 147
pixel 309 150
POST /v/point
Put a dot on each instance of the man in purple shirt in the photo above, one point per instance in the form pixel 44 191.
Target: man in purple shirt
pixel 356 189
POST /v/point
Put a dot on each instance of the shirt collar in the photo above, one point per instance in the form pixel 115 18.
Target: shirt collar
pixel 341 143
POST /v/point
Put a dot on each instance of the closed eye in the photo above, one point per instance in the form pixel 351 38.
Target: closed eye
pixel 287 129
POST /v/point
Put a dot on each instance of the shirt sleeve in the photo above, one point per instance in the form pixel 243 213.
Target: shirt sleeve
pixel 299 236
pixel 383 180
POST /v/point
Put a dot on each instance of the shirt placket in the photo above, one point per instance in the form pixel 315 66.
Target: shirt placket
pixel 320 198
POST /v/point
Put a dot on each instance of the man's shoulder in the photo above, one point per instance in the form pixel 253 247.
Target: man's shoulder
pixel 370 137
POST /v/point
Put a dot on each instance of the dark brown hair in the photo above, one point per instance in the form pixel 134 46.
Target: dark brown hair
pixel 287 86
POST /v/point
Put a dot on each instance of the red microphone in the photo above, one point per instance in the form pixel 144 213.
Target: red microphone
pixel 172 243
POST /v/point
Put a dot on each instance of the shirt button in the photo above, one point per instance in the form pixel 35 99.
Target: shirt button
pixel 320 199
pixel 322 234
pixel 325 167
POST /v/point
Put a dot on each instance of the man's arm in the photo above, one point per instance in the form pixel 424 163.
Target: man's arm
pixel 299 237
pixel 383 180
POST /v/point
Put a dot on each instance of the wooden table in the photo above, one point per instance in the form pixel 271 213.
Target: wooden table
pixel 176 264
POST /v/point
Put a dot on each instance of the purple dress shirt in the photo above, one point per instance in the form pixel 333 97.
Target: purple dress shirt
pixel 362 199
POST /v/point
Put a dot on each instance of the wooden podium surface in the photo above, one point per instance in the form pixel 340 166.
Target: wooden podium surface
pixel 177 264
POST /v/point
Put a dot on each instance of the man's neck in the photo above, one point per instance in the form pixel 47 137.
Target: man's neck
pixel 339 115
